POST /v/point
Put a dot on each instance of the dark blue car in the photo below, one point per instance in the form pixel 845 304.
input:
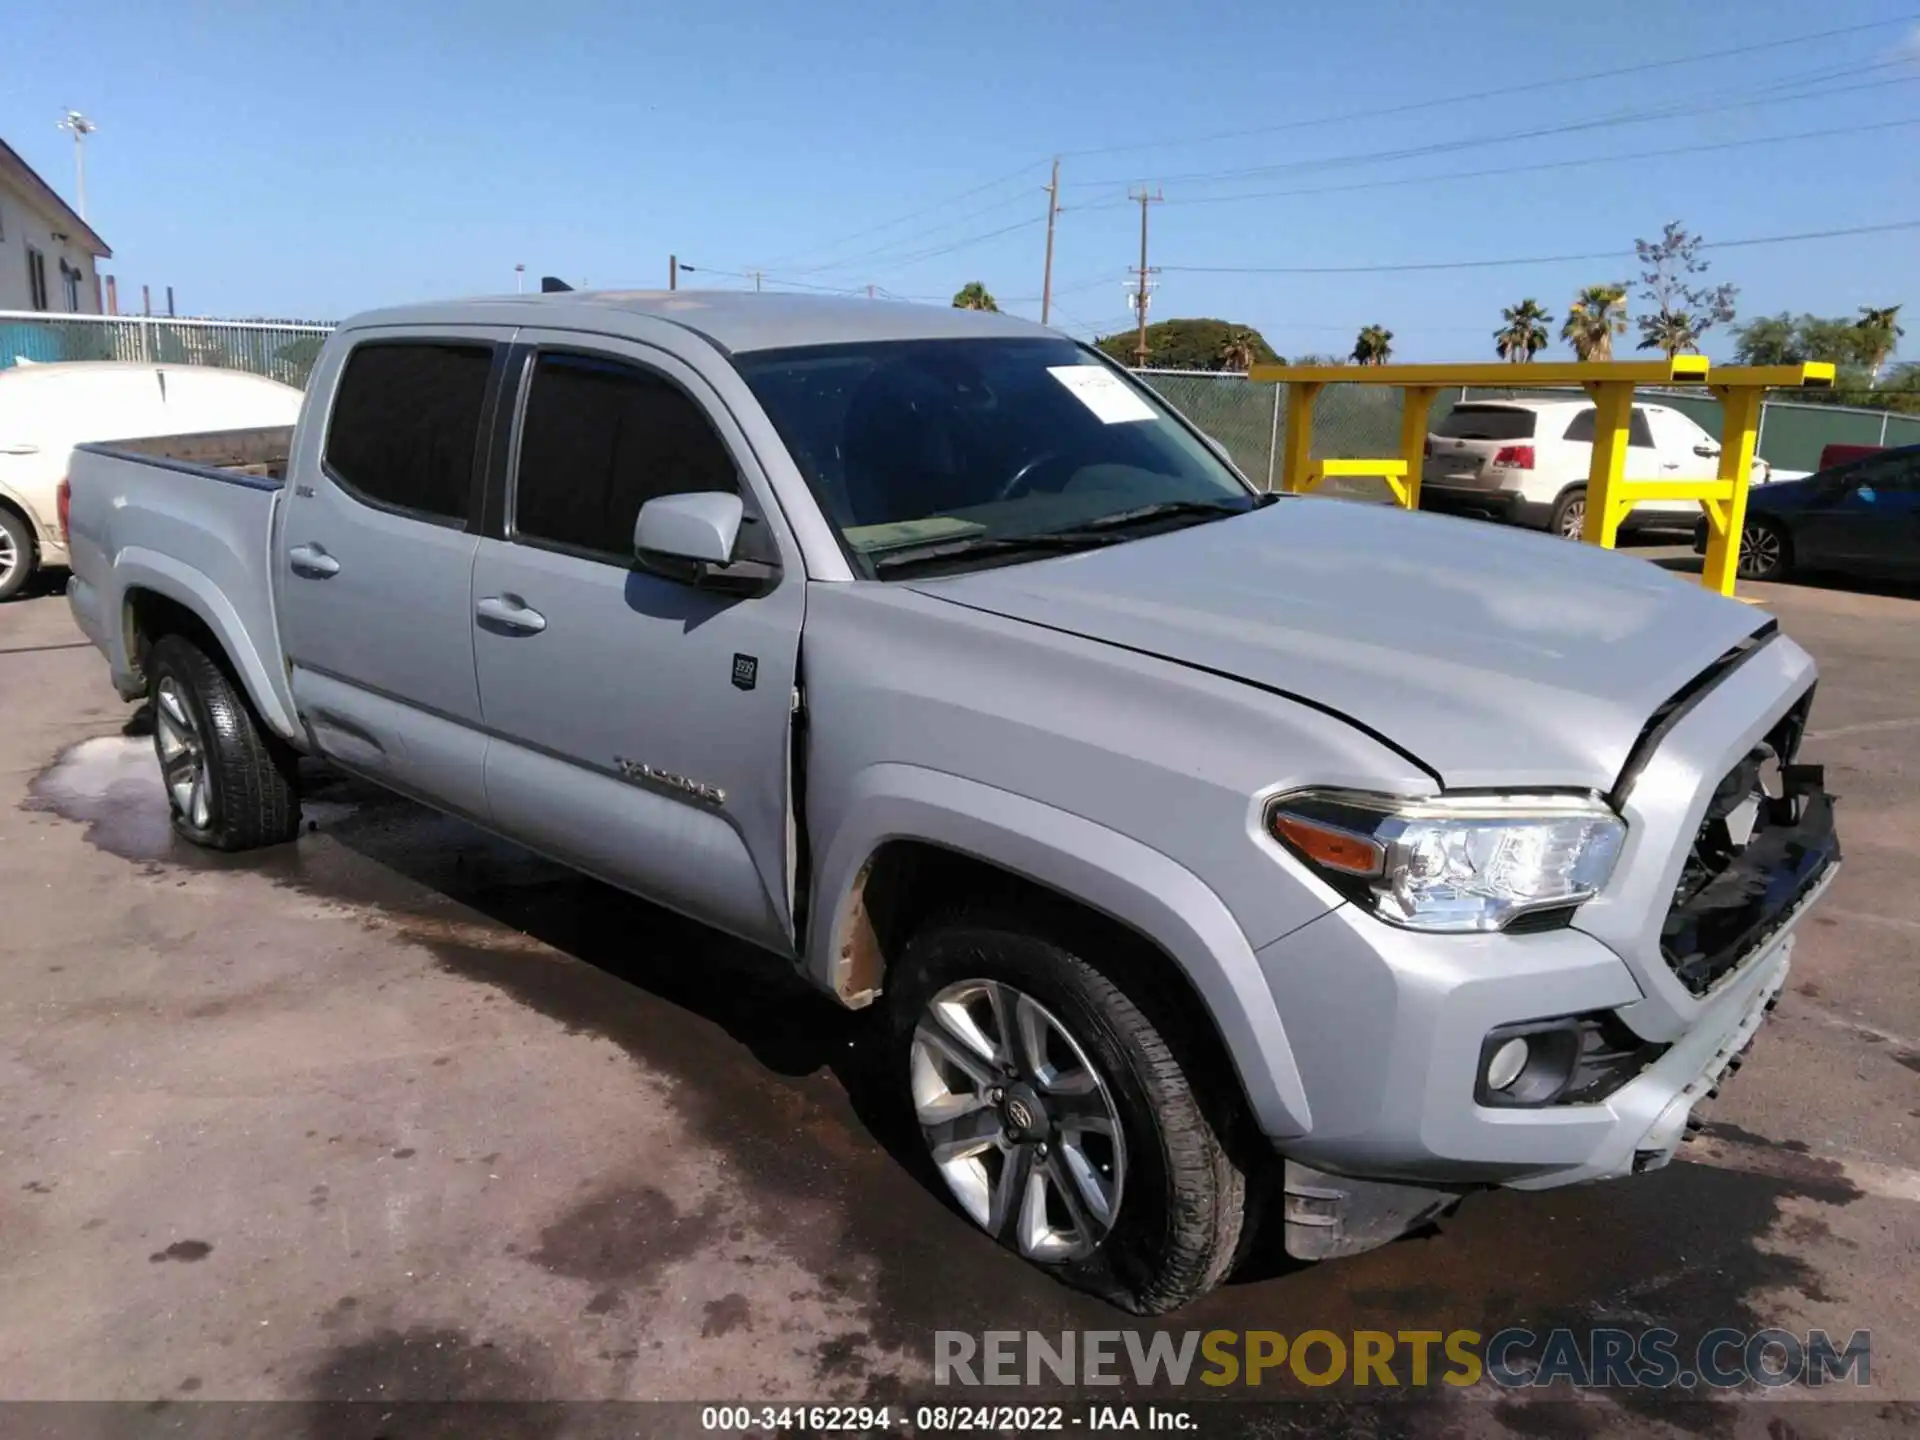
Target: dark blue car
pixel 1861 518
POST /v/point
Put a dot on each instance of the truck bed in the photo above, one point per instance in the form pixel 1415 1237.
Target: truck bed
pixel 189 518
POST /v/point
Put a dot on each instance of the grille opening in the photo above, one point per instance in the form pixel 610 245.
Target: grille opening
pixel 1767 837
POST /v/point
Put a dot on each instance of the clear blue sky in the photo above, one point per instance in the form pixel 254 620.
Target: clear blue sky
pixel 310 160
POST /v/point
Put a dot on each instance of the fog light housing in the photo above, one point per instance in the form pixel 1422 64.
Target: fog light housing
pixel 1507 1063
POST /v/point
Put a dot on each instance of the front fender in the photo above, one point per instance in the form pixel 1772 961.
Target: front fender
pixel 135 568
pixel 1115 874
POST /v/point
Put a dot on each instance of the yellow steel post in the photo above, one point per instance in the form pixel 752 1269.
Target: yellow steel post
pixel 1612 411
pixel 1415 402
pixel 1727 517
pixel 1297 458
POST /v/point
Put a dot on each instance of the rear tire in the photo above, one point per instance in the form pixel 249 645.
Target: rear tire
pixel 1766 551
pixel 230 785
pixel 19 555
pixel 1569 517
pixel 1175 1202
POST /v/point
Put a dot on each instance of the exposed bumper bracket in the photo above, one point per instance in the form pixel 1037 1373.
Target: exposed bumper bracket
pixel 1332 1215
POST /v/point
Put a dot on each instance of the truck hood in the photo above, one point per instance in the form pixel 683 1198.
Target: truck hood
pixel 1495 657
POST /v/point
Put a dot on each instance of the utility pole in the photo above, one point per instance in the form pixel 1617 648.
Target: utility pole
pixel 673 272
pixel 1053 209
pixel 520 279
pixel 756 280
pixel 1146 198
pixel 81 127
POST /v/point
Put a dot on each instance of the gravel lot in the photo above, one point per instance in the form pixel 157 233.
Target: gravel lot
pixel 402 1112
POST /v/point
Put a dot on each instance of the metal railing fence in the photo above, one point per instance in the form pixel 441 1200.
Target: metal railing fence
pixel 282 350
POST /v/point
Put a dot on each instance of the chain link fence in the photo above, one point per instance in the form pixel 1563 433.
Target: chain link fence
pixel 1363 421
pixel 282 350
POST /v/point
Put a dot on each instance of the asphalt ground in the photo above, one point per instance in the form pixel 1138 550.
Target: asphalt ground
pixel 404 1113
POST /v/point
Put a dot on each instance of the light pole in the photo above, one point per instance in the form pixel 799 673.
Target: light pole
pixel 81 127
pixel 519 279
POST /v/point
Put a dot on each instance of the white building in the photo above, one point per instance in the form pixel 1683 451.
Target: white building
pixel 47 252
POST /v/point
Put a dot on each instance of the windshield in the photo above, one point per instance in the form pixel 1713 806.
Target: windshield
pixel 971 447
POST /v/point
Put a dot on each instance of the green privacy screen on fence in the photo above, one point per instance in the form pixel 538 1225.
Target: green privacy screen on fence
pixel 1363 421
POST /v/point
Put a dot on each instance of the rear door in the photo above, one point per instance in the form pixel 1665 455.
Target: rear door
pixel 376 563
pixel 641 727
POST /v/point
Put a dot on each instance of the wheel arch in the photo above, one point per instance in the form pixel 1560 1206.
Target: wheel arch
pixel 160 596
pixel 913 839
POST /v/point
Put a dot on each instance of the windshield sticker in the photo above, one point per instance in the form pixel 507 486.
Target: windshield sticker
pixel 1102 392
pixel 895 533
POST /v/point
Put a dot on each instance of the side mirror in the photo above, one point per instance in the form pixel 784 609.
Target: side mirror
pixel 1706 449
pixel 693 538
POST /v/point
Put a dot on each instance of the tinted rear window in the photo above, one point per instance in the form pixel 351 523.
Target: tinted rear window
pixel 406 424
pixel 1486 422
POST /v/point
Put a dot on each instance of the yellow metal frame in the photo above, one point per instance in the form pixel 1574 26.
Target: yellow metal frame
pixel 1610 494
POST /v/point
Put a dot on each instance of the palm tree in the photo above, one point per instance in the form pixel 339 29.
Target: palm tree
pixel 1671 331
pixel 973 296
pixel 1880 336
pixel 1237 352
pixel 1525 332
pixel 1373 346
pixel 1599 313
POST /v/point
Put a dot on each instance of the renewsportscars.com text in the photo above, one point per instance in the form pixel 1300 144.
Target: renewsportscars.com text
pixel 1605 1357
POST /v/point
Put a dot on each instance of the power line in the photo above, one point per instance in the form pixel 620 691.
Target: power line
pixel 904 219
pixel 1527 259
pixel 1522 169
pixel 1480 96
pixel 1630 117
pixel 882 253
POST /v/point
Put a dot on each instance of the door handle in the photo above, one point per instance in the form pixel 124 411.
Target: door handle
pixel 1670 465
pixel 509 612
pixel 312 561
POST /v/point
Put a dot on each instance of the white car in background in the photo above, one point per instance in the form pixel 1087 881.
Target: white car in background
pixel 1526 462
pixel 45 410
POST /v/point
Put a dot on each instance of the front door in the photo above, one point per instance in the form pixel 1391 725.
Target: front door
pixel 376 564
pixel 641 727
pixel 1872 520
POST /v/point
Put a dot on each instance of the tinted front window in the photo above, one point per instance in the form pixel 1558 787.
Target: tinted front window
pixel 1638 433
pixel 600 439
pixel 1895 473
pixel 406 424
pixel 908 441
pixel 1486 422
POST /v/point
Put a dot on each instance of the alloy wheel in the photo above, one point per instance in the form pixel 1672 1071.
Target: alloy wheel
pixel 1759 550
pixel 9 556
pixel 1019 1123
pixel 183 756
pixel 1573 522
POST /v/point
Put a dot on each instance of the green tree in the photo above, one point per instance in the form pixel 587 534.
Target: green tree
pixel 973 296
pixel 1880 334
pixel 1524 334
pixel 1598 314
pixel 1682 308
pixel 1198 344
pixel 1768 340
pixel 1373 345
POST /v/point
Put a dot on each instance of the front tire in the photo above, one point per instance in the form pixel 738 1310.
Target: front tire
pixel 230 785
pixel 1766 551
pixel 18 553
pixel 1060 1116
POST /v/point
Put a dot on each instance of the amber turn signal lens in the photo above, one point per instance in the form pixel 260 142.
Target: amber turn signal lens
pixel 1328 847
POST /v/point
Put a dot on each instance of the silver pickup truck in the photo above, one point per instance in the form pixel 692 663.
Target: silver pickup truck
pixel 1209 854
